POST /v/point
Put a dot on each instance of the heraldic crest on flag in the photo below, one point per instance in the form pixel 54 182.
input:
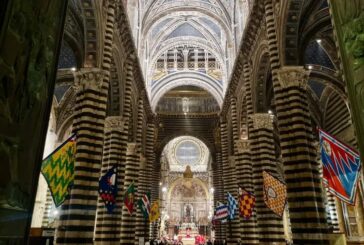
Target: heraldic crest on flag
pixel 58 170
pixel 232 205
pixel 154 212
pixel 246 203
pixel 108 189
pixel 144 205
pixel 341 168
pixel 275 193
pixel 129 198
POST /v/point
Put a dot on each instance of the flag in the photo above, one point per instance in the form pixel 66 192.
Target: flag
pixel 232 204
pixel 129 198
pixel 58 170
pixel 221 212
pixel 246 203
pixel 341 167
pixel 275 193
pixel 108 189
pixel 144 205
pixel 154 212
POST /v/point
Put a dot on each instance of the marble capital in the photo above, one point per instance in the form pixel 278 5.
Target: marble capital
pixel 293 76
pixel 262 120
pixel 89 78
pixel 115 122
pixel 243 145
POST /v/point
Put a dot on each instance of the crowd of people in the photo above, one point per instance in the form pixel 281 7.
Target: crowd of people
pixel 166 241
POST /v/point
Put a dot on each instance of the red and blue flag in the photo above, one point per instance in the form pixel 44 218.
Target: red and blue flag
pixel 221 212
pixel 108 189
pixel 341 167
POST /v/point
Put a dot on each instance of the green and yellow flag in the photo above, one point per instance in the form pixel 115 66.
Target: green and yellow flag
pixel 154 212
pixel 58 170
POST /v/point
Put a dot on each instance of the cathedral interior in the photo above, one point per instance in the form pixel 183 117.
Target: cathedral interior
pixel 187 100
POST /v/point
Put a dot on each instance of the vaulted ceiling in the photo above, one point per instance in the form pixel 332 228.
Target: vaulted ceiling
pixel 187 42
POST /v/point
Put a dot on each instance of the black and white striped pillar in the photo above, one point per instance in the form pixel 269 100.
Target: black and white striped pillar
pixel 270 226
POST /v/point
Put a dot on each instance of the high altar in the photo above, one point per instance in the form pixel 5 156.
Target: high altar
pixel 188 207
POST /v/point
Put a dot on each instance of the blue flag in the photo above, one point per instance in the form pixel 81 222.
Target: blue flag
pixel 232 205
pixel 108 189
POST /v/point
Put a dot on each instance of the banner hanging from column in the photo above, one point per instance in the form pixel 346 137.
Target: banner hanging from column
pixel 341 167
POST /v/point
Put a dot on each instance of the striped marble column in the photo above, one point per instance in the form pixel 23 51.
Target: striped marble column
pixel 140 224
pixel 305 202
pixel 108 37
pixel 152 184
pixel 132 167
pixel 228 175
pixel 155 191
pixel 270 226
pixel 249 232
pixel 108 226
pixel 47 209
pixel 333 212
pixel 218 193
pixel 234 225
pixel 244 172
pixel 77 219
pixel 129 79
pixel 305 193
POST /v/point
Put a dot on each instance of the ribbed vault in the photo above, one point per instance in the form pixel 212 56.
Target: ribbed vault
pixel 194 38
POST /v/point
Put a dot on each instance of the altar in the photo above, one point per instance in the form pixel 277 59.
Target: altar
pixel 188 241
pixel 188 230
pixel 187 207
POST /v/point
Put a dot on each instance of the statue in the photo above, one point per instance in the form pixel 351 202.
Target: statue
pixel 188 214
pixel 188 173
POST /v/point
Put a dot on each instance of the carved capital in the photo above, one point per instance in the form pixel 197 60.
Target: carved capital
pixel 112 123
pixel 293 76
pixel 89 78
pixel 262 120
pixel 242 145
